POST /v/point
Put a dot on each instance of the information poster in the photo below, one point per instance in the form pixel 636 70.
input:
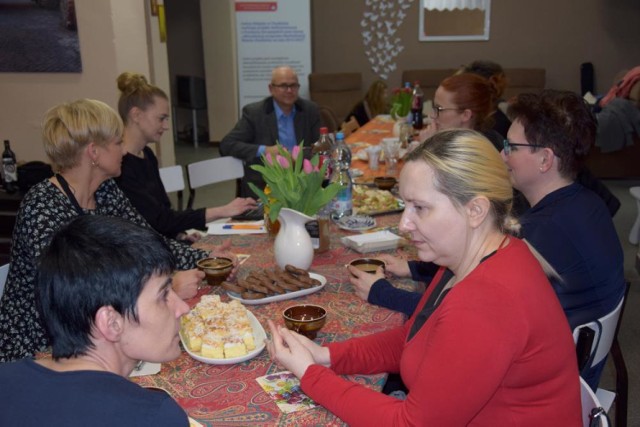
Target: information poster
pixel 271 34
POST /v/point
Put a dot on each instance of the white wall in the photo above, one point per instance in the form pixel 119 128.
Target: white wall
pixel 113 38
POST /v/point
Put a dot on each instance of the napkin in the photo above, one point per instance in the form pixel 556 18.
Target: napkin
pixel 284 389
pixel 146 368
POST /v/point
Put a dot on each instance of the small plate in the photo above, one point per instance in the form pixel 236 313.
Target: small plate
pixel 356 222
pixel 355 173
pixel 259 337
pixel 282 297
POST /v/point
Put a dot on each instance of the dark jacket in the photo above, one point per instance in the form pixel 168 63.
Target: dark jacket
pixel 258 126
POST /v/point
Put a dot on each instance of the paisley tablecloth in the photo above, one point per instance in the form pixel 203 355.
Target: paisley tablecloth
pixel 228 395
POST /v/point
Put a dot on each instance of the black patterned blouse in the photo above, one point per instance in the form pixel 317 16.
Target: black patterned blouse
pixel 43 211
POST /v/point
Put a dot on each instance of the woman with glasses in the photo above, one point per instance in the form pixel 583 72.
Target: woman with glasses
pixel 568 224
pixel 464 101
pixel 484 346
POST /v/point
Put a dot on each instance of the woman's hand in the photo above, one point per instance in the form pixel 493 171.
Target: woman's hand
pixel 223 251
pixel 235 207
pixel 294 351
pixel 362 281
pixel 185 283
pixel 397 266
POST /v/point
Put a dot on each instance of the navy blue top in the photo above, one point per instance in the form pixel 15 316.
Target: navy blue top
pixel 384 294
pixel 572 229
pixel 33 395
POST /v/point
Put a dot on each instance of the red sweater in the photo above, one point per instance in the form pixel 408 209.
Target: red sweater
pixel 497 351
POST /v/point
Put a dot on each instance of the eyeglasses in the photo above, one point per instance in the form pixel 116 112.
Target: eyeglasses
pixel 437 109
pixel 287 86
pixel 506 145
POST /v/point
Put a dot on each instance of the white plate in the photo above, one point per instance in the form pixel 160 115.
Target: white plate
pixel 356 222
pixel 259 337
pixel 355 172
pixel 282 297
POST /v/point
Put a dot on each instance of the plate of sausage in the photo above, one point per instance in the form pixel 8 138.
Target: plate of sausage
pixel 272 285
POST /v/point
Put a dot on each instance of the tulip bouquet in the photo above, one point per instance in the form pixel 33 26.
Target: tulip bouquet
pixel 293 182
pixel 401 102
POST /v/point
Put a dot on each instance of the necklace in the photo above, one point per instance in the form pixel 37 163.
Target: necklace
pixel 70 194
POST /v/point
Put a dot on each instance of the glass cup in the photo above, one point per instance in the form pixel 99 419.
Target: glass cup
pixel 391 147
pixel 373 154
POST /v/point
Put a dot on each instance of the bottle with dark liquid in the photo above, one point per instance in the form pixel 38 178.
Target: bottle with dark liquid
pixel 417 101
pixel 9 168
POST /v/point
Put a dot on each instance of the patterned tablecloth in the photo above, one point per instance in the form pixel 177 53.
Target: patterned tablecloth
pixel 228 395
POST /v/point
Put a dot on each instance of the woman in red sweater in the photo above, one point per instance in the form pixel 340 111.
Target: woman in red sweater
pixel 488 343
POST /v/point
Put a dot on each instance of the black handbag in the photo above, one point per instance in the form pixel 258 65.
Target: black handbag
pixel 31 173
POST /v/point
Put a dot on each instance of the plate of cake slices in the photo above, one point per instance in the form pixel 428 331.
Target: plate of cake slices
pixel 221 333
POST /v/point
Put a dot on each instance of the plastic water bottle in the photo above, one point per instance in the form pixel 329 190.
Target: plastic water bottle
pixel 343 203
pixel 417 100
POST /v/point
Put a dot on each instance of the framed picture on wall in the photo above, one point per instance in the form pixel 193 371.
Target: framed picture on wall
pixel 454 20
pixel 39 36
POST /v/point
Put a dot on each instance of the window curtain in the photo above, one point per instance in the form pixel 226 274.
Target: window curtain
pixel 454 4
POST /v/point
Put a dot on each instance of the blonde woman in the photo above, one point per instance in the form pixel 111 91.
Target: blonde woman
pixel 488 344
pixel 375 102
pixel 83 140
pixel 144 109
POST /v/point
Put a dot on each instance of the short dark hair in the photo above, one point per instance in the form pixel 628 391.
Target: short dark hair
pixel 560 120
pixel 95 261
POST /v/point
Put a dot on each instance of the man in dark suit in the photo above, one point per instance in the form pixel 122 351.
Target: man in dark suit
pixel 282 117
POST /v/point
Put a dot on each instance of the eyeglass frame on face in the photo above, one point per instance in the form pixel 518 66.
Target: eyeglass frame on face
pixel 287 86
pixel 506 146
pixel 437 109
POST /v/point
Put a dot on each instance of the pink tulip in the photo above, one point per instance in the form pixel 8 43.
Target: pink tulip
pixel 269 159
pixel 283 161
pixel 295 151
pixel 306 166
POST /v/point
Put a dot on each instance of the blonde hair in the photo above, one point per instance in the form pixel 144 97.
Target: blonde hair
pixel 376 98
pixel 467 165
pixel 135 91
pixel 68 128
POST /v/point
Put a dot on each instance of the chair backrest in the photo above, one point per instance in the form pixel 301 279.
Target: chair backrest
pixel 605 331
pixel 350 126
pixel 589 403
pixel 4 271
pixel 172 178
pixel 328 118
pixel 338 91
pixel 212 171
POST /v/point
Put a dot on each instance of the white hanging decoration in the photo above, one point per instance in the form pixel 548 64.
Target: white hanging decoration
pixel 380 22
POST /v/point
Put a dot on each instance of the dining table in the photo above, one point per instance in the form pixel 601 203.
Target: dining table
pixel 229 395
pixel 370 134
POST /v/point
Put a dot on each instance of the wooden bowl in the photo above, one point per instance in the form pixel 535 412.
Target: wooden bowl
pixel 216 269
pixel 385 182
pixel 368 265
pixel 306 319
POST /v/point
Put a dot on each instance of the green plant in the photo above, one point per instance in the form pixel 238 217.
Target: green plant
pixel 400 102
pixel 294 182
